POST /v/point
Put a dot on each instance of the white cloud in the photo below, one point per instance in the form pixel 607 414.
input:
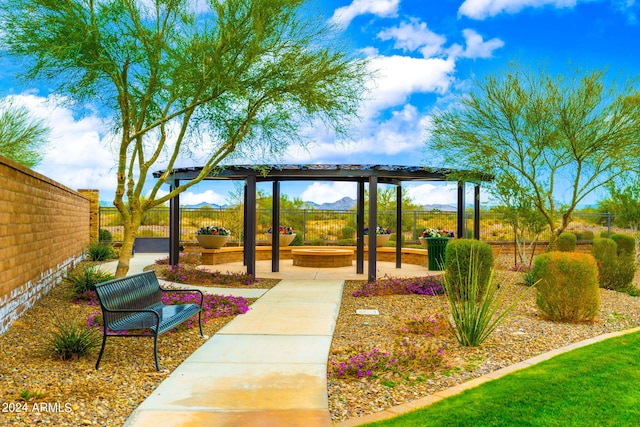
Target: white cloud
pixel 481 9
pixel 209 196
pixel 76 155
pixel 413 36
pixel 343 16
pixel 436 193
pixel 476 47
pixel 397 77
pixel 329 192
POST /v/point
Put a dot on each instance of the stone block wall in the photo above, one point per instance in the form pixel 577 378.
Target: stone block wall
pixel 44 230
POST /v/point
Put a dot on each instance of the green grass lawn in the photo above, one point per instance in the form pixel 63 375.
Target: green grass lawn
pixel 596 385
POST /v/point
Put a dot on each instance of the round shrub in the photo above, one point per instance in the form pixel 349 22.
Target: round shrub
pixel 458 264
pixel 567 289
pixel 104 235
pixel 566 242
pixel 604 252
pixel 626 244
pixel 604 234
pixel 347 233
pixel 587 235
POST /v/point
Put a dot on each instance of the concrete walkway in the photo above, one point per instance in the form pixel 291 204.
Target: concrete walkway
pixel 267 367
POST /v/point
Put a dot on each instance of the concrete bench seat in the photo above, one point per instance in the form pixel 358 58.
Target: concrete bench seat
pixel 322 258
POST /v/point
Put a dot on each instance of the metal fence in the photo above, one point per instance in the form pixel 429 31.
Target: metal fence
pixel 332 225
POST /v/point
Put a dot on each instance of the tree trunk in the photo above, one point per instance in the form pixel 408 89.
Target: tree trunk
pixel 126 251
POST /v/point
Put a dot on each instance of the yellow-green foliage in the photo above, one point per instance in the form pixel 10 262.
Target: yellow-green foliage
pixel 567 242
pixel 616 266
pixel 567 290
pixel 625 243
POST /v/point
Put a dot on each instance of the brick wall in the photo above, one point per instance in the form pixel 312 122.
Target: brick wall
pixel 44 229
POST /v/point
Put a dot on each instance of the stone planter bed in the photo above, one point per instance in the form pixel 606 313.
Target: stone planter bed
pixel 322 258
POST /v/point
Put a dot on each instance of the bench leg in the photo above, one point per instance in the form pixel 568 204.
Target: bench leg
pixel 155 350
pixel 200 322
pixel 104 341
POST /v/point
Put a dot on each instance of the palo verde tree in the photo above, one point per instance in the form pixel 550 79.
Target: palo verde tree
pixel 180 76
pixel 545 138
pixel 22 136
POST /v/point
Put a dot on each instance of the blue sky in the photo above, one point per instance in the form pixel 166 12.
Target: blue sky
pixel 424 51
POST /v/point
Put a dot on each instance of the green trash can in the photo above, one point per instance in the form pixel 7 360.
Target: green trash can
pixel 435 251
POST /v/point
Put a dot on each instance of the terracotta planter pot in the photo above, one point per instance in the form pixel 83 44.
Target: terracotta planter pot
pixel 285 239
pixel 212 241
pixel 381 239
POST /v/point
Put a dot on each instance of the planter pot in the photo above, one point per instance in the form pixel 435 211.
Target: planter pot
pixel 211 241
pixel 381 239
pixel 285 239
pixel 436 247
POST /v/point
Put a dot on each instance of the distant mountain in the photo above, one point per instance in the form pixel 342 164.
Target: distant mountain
pixel 441 208
pixel 343 204
pixel 200 205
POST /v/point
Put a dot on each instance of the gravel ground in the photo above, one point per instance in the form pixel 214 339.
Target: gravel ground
pixel 522 335
pixel 73 393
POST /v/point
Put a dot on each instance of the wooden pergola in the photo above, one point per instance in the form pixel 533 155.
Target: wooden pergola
pixel 361 174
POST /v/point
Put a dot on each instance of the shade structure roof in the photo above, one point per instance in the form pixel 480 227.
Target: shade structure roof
pixel 333 172
pixel 371 175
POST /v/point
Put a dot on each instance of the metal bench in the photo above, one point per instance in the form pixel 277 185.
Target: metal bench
pixel 134 303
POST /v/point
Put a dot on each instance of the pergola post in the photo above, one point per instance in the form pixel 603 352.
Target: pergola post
pixel 399 226
pixel 275 227
pixel 373 224
pixel 174 226
pixel 476 212
pixel 461 209
pixel 360 229
pixel 250 227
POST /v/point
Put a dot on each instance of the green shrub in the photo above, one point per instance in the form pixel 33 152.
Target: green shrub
pixel 586 235
pixel 85 279
pixel 567 290
pixel 100 251
pixel 458 266
pixel 297 241
pixel 318 242
pixel 347 233
pixel 604 234
pixel 71 339
pixel 104 235
pixel 347 242
pixel 566 242
pixel 626 244
pixel 616 269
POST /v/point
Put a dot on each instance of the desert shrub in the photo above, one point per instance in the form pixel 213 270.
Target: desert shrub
pixel 347 242
pixel 347 232
pixel 474 312
pixel 616 269
pixel 85 279
pixel 459 266
pixel 626 244
pixel 566 242
pixel 567 290
pixel 297 241
pixel 72 339
pixel 431 325
pixel 604 234
pixel 98 251
pixel 586 235
pixel 318 242
pixel 104 235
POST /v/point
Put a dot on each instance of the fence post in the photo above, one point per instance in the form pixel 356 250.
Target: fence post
pixel 304 226
pixel 608 224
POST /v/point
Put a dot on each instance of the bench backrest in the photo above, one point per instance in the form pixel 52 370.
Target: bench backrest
pixel 130 292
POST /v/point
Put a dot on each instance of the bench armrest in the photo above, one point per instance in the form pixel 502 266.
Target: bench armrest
pixel 187 290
